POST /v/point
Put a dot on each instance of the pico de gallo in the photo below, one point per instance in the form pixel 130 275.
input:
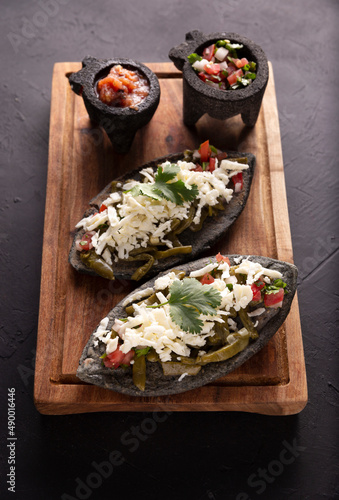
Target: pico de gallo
pixel 123 88
pixel 220 67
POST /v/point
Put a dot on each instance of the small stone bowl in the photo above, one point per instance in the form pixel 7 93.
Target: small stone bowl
pixel 199 98
pixel 120 124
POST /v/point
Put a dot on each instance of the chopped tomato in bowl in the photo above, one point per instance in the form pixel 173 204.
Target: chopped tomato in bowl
pixel 220 66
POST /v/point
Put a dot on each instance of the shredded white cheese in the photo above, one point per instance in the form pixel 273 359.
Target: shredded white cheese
pixel 133 220
pixel 154 327
pixel 233 165
pixel 254 270
pixel 203 270
pixel 138 296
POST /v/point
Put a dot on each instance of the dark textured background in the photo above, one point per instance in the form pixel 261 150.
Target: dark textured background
pixel 203 456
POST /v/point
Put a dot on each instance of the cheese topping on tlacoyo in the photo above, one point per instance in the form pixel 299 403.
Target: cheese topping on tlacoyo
pixel 140 216
pixel 211 308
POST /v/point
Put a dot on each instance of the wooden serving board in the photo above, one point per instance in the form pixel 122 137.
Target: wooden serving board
pixel 81 162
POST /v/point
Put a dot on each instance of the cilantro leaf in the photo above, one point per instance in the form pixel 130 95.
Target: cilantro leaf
pixel 192 58
pixel 188 299
pixel 176 191
pixel 275 287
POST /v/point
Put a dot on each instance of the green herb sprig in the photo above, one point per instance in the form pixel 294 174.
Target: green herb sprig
pixel 275 287
pixel 165 187
pixel 188 299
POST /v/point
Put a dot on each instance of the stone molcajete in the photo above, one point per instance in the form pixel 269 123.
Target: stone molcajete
pixel 120 124
pixel 199 98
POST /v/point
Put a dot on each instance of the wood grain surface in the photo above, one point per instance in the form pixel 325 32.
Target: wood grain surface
pixel 81 163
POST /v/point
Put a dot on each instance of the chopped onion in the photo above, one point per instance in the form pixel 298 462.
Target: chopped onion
pixel 212 84
pixel 237 187
pixel 200 65
pixel 221 53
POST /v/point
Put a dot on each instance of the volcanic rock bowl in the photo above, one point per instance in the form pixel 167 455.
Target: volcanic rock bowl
pixel 199 98
pixel 120 124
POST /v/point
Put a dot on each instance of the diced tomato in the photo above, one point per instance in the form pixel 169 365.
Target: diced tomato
pixel 214 78
pixel 117 358
pixel 260 283
pixel 102 208
pixel 208 52
pixel 212 69
pixel 256 290
pixel 221 156
pixel 205 151
pixel 274 299
pixel 198 168
pixel 232 79
pixel 207 279
pixel 211 166
pixel 202 76
pixel 239 73
pixel 240 63
pixel 128 357
pixel 114 359
pixel 85 243
pixel 222 258
pixel 238 182
pixel 256 293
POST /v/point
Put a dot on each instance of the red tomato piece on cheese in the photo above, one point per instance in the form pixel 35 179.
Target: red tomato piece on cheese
pixel 222 258
pixel 207 279
pixel 274 299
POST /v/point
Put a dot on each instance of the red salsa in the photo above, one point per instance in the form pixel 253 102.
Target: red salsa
pixel 123 88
